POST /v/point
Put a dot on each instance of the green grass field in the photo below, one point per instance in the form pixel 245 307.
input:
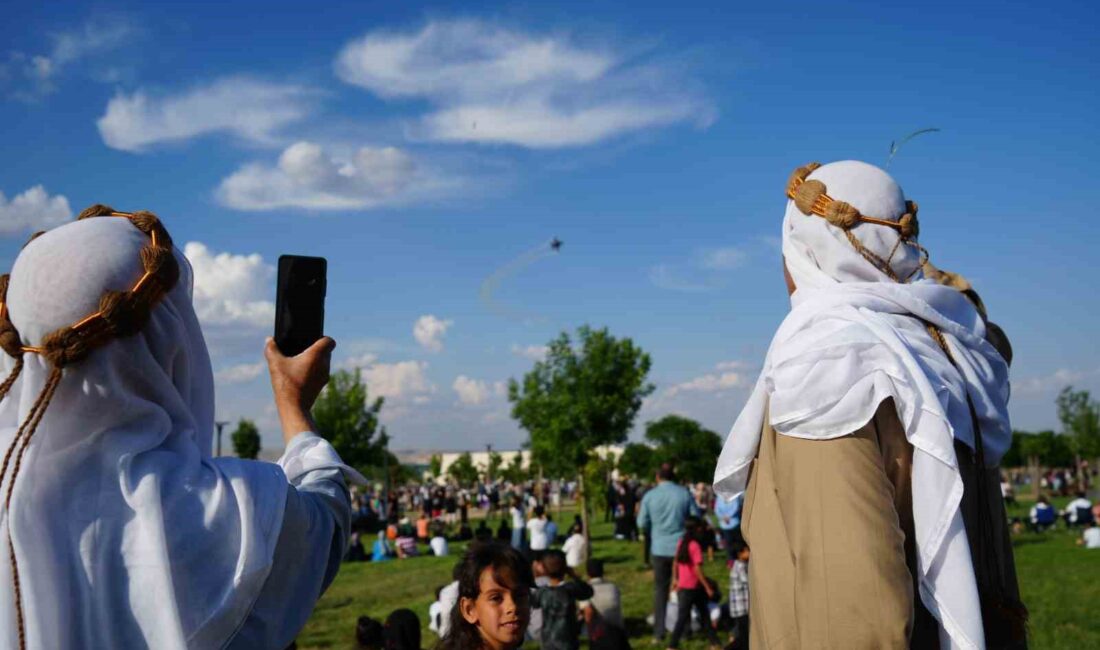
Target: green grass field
pixel 1060 583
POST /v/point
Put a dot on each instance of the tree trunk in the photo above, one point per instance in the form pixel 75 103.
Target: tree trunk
pixel 1033 465
pixel 582 492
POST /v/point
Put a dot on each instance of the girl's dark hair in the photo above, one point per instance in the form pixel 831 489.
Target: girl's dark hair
pixel 691 534
pixel 369 634
pixel 509 568
pixel 402 630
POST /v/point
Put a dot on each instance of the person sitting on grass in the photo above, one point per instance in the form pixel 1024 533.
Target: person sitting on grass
pixel 494 605
pixel 402 630
pixel 382 550
pixel 558 602
pixel 1090 538
pixel 1079 511
pixel 369 634
pixel 483 533
pixel 439 545
pixel 1042 515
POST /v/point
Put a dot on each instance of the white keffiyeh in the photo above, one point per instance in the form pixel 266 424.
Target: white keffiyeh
pixel 854 338
pixel 127 533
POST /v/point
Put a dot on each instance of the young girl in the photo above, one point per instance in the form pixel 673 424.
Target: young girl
pixel 693 589
pixel 494 589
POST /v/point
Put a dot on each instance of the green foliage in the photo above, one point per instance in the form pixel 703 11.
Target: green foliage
pixel 463 470
pixel 597 472
pixel 435 466
pixel 495 461
pixel 1080 416
pixel 638 460
pixel 690 448
pixel 346 420
pixel 515 471
pixel 1049 448
pixel 579 398
pixel 246 439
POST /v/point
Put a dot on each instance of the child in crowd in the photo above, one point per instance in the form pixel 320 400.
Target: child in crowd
pixel 422 528
pixel 558 602
pixel 739 596
pixel 382 550
pixel 693 590
pixel 439 545
pixel 494 586
pixel 575 548
pixel 402 630
pixel 369 634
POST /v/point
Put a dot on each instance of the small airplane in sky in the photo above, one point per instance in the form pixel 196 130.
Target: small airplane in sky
pixel 555 244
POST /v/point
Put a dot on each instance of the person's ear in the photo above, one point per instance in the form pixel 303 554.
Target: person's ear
pixel 468 608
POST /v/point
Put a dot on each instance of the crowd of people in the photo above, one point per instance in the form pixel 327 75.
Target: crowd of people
pixel 679 527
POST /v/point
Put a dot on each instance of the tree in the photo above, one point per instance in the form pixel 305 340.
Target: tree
pixel 1080 416
pixel 463 470
pixel 690 448
pixel 495 461
pixel 346 420
pixel 246 439
pixel 638 460
pixel 435 465
pixel 514 472
pixel 579 398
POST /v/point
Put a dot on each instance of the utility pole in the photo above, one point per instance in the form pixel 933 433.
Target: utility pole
pixel 220 426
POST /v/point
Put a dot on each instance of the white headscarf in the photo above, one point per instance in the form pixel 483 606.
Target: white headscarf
pixel 851 341
pixel 127 533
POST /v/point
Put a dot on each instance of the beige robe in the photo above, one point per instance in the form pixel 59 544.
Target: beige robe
pixel 829 525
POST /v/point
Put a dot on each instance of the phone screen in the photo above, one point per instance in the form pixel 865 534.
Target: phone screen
pixel 300 303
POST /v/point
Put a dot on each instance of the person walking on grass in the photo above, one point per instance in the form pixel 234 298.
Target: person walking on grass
pixel 663 512
pixel 693 590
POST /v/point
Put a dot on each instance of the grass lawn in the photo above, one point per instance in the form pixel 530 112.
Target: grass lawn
pixel 1060 584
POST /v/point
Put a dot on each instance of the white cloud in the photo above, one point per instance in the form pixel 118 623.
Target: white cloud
pixel 491 84
pixel 241 106
pixel 34 209
pixel 722 259
pixel 231 290
pixel 705 271
pixel 474 392
pixel 240 374
pixel 1053 382
pixel 732 365
pixel 532 352
pixel 397 380
pixel 403 380
pixel 429 332
pixel 730 375
pixel 306 176
pixel 664 276
pixel 67 48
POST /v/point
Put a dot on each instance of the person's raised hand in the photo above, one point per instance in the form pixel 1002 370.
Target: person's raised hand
pixel 297 381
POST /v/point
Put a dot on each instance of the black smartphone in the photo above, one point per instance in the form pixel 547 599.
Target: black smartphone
pixel 300 303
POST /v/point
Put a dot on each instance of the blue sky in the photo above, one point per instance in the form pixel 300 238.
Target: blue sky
pixel 421 150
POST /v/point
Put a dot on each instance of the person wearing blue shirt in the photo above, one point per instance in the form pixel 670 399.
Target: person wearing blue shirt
pixel 728 512
pixel 661 517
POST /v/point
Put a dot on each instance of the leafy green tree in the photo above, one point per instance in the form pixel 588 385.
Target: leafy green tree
pixel 515 471
pixel 1080 416
pixel 495 461
pixel 346 418
pixel 246 439
pixel 638 460
pixel 690 448
pixel 435 465
pixel 463 470
pixel 578 398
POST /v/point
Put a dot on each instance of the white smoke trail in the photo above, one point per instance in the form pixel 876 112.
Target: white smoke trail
pixel 490 285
